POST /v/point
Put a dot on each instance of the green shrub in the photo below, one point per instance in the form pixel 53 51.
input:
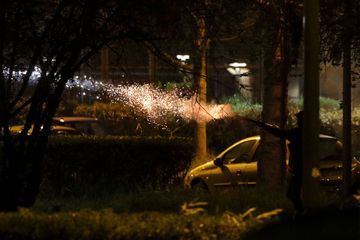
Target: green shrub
pixel 327 106
pixel 243 107
pixel 330 115
pixel 115 163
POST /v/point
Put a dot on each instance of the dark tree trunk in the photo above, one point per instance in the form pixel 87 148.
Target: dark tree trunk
pixel 23 155
pixel 200 75
pixel 59 42
pixel 21 174
pixel 347 154
pixel 9 179
pixel 310 135
pixel 272 168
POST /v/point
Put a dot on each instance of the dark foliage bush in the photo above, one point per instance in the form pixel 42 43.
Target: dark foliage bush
pixel 82 164
pixel 223 132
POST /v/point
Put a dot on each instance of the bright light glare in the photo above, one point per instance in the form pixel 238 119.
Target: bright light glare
pixel 183 57
pixel 237 64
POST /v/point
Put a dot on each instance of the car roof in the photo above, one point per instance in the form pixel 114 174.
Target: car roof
pixel 75 119
pixel 321 136
pixel 257 137
pixel 18 128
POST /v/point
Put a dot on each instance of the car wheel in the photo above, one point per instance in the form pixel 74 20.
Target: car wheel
pixel 200 187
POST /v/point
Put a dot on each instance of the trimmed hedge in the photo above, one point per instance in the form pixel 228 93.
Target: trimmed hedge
pixel 124 120
pixel 115 163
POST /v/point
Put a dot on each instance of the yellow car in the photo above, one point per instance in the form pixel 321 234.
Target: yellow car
pixel 236 166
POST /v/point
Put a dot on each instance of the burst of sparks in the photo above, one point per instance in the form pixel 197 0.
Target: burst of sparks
pixel 156 103
pixel 153 102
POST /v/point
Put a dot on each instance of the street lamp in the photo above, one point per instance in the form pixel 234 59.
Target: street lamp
pixel 238 69
pixel 237 64
pixel 183 58
pixel 241 73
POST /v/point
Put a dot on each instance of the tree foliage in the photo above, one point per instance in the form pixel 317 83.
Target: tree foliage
pixel 331 30
pixel 340 37
pixel 55 38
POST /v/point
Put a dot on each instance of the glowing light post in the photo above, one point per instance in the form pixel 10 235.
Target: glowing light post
pixel 183 59
pixel 240 72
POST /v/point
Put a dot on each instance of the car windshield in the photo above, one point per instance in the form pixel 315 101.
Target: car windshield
pixel 239 153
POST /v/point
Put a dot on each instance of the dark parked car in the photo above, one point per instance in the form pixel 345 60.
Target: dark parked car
pixel 55 130
pixel 86 125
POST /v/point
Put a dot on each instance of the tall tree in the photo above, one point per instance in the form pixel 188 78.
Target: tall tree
pixel 346 49
pixel 200 75
pixel 310 130
pixel 340 44
pixel 55 37
pixel 281 24
pixel 201 23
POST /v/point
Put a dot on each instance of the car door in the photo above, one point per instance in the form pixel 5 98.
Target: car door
pixel 236 161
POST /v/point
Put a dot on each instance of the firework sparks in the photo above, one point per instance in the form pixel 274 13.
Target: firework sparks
pixel 153 102
pixel 157 104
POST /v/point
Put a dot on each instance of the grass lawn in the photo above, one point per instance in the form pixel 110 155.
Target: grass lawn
pixel 167 201
pixel 177 214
